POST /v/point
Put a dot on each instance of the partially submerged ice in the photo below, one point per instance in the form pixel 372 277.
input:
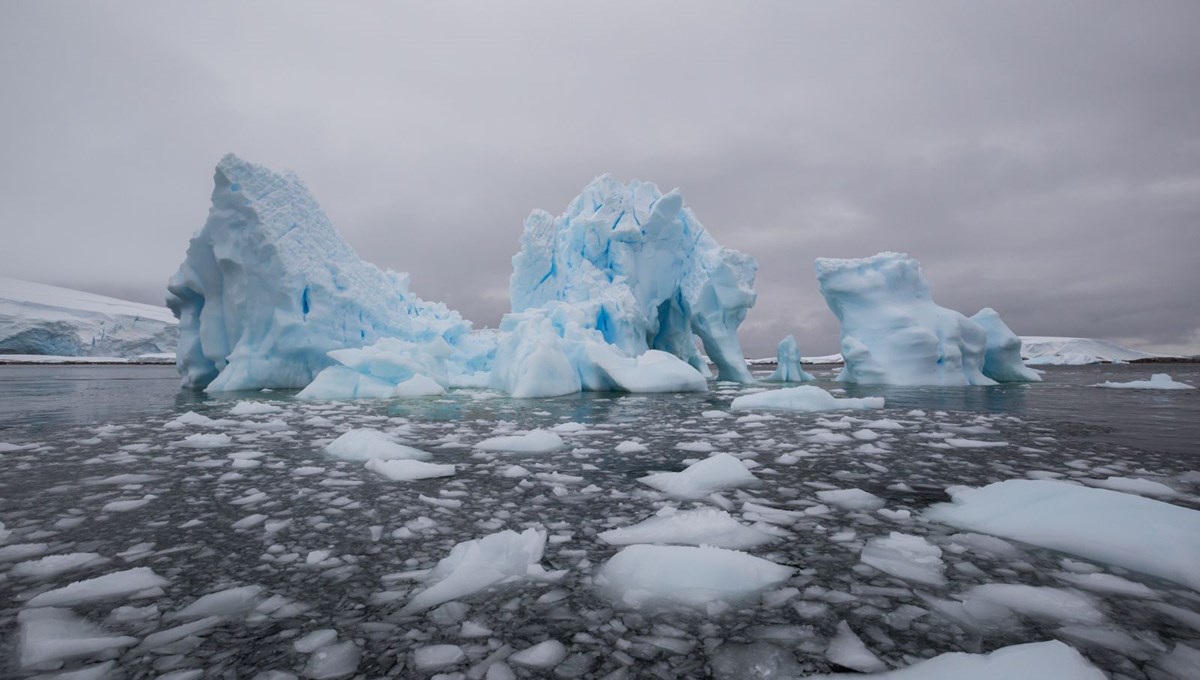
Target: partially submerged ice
pixel 1121 529
pixel 612 295
pixel 894 334
pixel 269 288
pixel 787 363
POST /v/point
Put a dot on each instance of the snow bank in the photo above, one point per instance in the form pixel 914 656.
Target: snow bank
pixel 1051 659
pixel 803 398
pixel 1002 358
pixel 642 575
pixel 1137 533
pixel 37 319
pixel 787 363
pixel 1043 350
pixel 472 566
pixel 719 471
pixel 1158 381
pixel 892 331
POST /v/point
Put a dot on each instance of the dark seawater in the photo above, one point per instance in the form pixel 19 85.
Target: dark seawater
pixel 252 509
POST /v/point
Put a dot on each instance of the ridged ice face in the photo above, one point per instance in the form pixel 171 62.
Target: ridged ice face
pixel 269 287
pixel 637 266
pixel 892 331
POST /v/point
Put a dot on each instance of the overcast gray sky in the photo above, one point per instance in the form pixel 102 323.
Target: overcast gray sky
pixel 1042 158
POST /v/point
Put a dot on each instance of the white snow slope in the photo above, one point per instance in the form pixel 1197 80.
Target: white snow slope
pixel 39 319
pixel 1045 350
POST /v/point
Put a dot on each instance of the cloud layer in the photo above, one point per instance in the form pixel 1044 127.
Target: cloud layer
pixel 1039 158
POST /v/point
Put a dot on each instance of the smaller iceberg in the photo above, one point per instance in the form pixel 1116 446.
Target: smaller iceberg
pixel 892 331
pixel 1158 381
pixel 787 363
pixel 1002 359
pixel 698 577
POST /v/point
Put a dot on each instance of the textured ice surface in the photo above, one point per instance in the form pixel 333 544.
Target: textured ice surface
pixel 1033 660
pixel 39 319
pixel 407 470
pixel 632 265
pixel 892 331
pixel 1002 359
pixel 719 471
pixel 115 585
pixel 52 635
pixel 787 363
pixel 803 398
pixel 1158 381
pixel 653 575
pixel 472 566
pixel 847 649
pixel 367 444
pixel 268 287
pixel 703 526
pixel 534 441
pixel 1145 535
pixel 905 556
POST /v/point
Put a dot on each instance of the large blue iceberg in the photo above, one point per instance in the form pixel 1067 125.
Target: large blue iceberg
pixel 612 295
pixel 894 334
pixel 269 288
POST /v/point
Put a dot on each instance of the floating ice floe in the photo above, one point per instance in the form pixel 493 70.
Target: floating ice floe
pixel 787 363
pixel 704 526
pixel 1158 381
pixel 116 585
pixel 404 470
pixel 908 557
pixel 803 398
pixel 719 471
pixel 534 441
pixel 472 566
pixel 851 499
pixel 847 649
pixel 48 636
pixel 367 444
pixel 1137 533
pixel 652 575
pixel 1051 659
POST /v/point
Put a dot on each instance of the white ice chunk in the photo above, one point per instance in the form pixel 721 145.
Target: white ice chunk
pixel 847 649
pixel 534 441
pixel 436 657
pixel 719 471
pixel 335 661
pixel 51 635
pixel 403 470
pixel 851 499
pixel 118 584
pixel 704 526
pixel 803 398
pixel 53 565
pixel 1042 602
pixel 1158 381
pixel 1141 534
pixel 651 575
pixel 907 557
pixel 1049 660
pixel 544 655
pixel 501 558
pixel 253 408
pixel 222 603
pixel 365 444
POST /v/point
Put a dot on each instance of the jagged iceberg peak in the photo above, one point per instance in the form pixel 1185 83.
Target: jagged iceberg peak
pixel 268 287
pixel 892 331
pixel 787 363
pixel 636 266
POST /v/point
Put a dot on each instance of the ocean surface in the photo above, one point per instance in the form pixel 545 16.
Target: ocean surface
pixel 97 465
